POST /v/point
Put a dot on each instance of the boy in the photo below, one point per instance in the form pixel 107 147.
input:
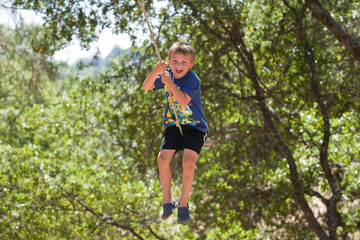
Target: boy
pixel 185 88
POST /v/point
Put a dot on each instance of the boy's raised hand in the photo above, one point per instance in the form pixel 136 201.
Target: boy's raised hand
pixel 160 67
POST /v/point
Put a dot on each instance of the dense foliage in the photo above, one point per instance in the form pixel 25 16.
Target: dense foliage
pixel 280 92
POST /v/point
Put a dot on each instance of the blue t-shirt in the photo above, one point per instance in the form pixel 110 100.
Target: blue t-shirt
pixel 192 114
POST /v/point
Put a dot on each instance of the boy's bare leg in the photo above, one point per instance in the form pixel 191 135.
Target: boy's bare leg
pixel 164 159
pixel 189 159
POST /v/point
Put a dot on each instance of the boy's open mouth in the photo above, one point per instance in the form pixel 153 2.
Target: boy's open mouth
pixel 178 71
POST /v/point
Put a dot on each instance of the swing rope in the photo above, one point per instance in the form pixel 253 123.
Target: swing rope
pixel 152 38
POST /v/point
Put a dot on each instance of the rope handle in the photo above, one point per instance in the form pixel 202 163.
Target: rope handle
pixel 152 35
pixel 152 38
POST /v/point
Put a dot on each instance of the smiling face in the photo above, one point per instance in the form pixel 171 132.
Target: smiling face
pixel 180 64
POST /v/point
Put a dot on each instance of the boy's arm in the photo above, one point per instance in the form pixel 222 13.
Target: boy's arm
pixel 181 97
pixel 150 79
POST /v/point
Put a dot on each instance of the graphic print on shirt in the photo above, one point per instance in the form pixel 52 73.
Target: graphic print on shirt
pixel 184 113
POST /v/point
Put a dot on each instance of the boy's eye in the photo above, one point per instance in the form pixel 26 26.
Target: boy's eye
pixel 183 63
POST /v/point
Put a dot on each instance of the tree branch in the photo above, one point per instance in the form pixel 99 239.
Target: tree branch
pixel 321 14
pixel 319 98
pixel 106 219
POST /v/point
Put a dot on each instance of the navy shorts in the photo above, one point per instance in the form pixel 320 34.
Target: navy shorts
pixel 193 139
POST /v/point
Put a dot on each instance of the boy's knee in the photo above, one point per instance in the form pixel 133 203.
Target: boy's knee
pixel 163 160
pixel 189 162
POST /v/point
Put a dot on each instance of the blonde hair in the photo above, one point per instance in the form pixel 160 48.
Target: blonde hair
pixel 184 48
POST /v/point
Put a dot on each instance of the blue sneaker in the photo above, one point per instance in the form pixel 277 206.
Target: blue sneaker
pixel 168 209
pixel 183 214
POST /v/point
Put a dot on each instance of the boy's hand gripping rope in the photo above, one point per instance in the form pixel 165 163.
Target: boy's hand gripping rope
pixel 152 38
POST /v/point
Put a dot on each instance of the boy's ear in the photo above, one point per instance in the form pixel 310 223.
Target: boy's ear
pixel 193 63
